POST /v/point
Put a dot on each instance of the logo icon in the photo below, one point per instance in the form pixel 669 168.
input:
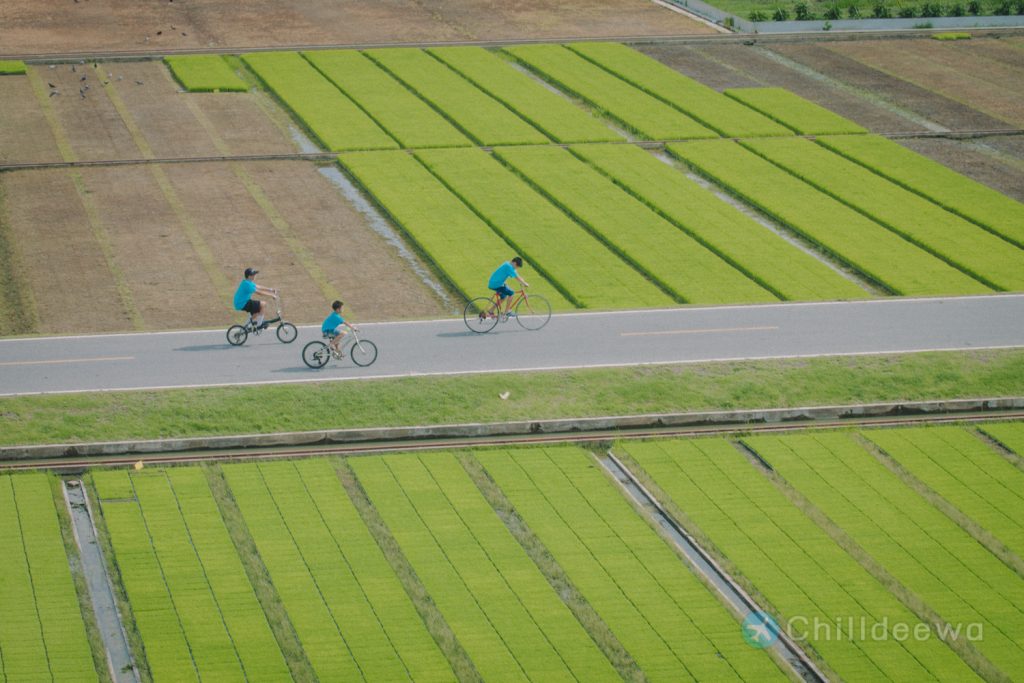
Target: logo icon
pixel 760 630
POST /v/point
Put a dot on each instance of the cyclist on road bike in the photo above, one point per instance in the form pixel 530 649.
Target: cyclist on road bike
pixel 332 328
pixel 497 282
pixel 254 307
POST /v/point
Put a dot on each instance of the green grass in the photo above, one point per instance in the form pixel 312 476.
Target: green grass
pixel 969 474
pixel 483 118
pixel 456 240
pixel 852 238
pixel 562 394
pixel 791 110
pixel 550 113
pixel 707 106
pixel 580 265
pixel 404 116
pixel 11 67
pixel 737 238
pixel 336 122
pixel 960 243
pixel 792 563
pixel 634 109
pixel 1009 434
pixel 954 192
pixel 940 563
pixel 670 622
pixel 42 633
pixel 205 73
pixel 496 600
pixel 678 263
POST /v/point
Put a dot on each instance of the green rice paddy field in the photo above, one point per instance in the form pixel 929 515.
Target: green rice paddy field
pixel 887 554
pixel 628 184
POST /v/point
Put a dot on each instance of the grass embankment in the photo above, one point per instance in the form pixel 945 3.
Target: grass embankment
pixel 543 395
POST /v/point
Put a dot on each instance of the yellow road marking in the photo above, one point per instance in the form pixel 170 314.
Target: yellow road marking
pixel 709 330
pixel 58 361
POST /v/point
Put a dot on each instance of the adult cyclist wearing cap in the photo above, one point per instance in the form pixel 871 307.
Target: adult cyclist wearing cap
pixel 497 282
pixel 244 301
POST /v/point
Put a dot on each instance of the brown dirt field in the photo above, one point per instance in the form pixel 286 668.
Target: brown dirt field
pixel 930 105
pixel 968 157
pixel 241 124
pixel 697 63
pixel 374 282
pixel 64 267
pixel 24 134
pixel 962 80
pixel 48 26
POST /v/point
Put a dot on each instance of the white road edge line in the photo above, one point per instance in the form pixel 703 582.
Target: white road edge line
pixel 596 366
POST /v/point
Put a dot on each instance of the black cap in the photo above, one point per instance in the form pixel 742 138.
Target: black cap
pixel 249 272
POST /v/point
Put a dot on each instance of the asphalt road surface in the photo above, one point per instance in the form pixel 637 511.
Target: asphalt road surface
pixel 576 340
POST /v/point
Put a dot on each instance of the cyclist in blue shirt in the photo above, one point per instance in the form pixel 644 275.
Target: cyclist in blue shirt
pixel 332 328
pixel 243 300
pixel 497 282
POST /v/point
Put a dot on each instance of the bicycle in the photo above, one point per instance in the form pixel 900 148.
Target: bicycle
pixel 531 311
pixel 286 332
pixel 363 352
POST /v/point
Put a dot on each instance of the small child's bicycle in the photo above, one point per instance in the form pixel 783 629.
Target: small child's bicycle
pixel 286 332
pixel 531 311
pixel 315 354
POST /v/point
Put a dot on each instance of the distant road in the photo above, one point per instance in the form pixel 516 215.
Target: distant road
pixel 575 340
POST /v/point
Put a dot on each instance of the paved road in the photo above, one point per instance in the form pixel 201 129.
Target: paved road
pixel 685 335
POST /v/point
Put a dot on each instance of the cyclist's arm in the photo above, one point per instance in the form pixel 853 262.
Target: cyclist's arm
pixel 266 291
pixel 522 281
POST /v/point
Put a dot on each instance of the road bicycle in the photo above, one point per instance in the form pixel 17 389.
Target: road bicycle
pixel 363 352
pixel 286 332
pixel 532 311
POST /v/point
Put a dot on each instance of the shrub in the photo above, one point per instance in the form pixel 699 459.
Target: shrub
pixel 1018 7
pixel 955 10
pixel 1003 8
pixel 832 12
pixel 931 9
pixel 757 16
pixel 906 12
pixel 780 14
pixel 853 12
pixel 802 12
pixel 974 7
pixel 881 10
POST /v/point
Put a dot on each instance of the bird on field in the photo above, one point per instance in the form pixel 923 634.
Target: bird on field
pixel 138 82
pixel 51 85
pixel 82 78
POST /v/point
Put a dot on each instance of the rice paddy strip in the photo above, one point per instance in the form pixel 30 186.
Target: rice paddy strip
pixel 850 237
pixel 791 110
pixel 583 268
pixel 389 641
pixel 634 109
pixel 710 108
pixel 12 67
pixel 205 73
pixel 483 118
pixel 296 581
pixel 739 239
pixel 970 248
pixel 333 119
pixel 666 618
pixel 404 116
pixel 167 652
pixel 1009 434
pixel 954 192
pixel 678 263
pixel 550 113
pixel 918 545
pixel 965 471
pixel 802 572
pixel 479 576
pixel 462 246
pixel 42 633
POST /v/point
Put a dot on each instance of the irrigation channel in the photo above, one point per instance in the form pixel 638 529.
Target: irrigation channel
pixel 112 630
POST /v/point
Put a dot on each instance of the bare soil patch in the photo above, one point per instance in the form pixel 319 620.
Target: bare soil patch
pixel 976 82
pixel 35 26
pixel 241 124
pixel 24 133
pixel 700 63
pixel 971 158
pixel 64 267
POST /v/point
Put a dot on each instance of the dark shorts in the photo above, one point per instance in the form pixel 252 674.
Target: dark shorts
pixel 252 306
pixel 504 292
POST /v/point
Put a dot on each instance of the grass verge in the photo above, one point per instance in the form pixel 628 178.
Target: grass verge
pixel 77 418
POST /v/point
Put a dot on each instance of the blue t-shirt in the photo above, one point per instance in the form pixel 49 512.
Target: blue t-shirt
pixel 245 290
pixel 331 322
pixel 504 272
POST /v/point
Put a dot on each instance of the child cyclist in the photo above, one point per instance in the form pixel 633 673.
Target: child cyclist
pixel 332 328
pixel 497 282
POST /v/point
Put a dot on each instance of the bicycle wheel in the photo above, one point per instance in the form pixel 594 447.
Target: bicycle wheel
pixel 533 312
pixel 315 354
pixel 287 333
pixel 363 353
pixel 476 317
pixel 237 335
